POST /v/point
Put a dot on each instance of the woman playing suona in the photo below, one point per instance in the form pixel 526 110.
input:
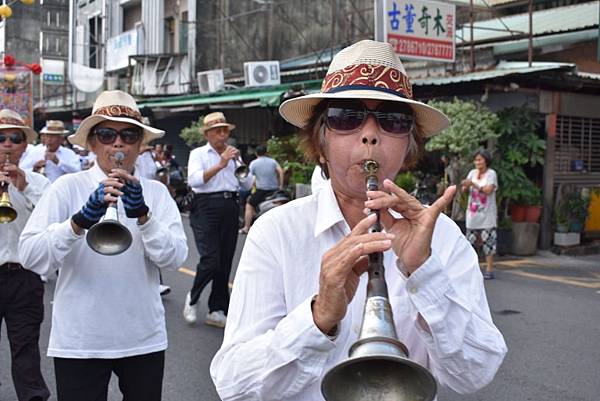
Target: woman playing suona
pixel 299 292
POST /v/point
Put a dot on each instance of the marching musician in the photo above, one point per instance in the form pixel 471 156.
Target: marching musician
pixel 299 291
pixel 21 290
pixel 214 217
pixel 107 312
pixel 51 156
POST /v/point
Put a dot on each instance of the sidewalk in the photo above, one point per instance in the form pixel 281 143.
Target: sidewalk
pixel 580 271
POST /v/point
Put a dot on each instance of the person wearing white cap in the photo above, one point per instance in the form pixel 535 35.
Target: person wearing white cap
pixel 299 293
pixel 214 217
pixel 108 316
pixel 21 291
pixel 50 156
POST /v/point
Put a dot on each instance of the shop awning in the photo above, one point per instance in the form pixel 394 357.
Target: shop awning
pixel 249 97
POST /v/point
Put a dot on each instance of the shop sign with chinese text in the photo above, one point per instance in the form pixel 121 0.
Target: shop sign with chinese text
pixel 420 29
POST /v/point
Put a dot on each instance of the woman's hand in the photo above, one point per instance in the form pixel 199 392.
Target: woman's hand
pixel 341 268
pixel 413 232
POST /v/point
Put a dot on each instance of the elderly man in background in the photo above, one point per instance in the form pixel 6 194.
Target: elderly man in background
pixel 214 217
pixel 50 157
pixel 21 290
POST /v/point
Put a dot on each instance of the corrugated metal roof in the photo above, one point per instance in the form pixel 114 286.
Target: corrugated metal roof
pixel 560 19
pixel 504 68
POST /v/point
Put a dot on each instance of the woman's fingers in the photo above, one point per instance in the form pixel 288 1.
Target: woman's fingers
pixel 439 205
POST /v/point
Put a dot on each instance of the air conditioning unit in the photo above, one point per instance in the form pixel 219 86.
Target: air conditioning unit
pixel 210 81
pixel 261 73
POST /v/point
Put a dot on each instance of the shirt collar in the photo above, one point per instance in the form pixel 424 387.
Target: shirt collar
pixel 328 210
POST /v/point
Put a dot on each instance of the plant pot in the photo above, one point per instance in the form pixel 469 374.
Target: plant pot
pixel 575 226
pixel 517 213
pixel 533 214
pixel 504 240
pixel 562 228
pixel 525 238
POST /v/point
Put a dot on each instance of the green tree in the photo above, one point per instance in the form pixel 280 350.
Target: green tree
pixel 192 135
pixel 518 146
pixel 471 125
pixel 286 151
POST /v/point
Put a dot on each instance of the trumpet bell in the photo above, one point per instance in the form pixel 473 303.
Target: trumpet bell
pixel 241 172
pixel 109 237
pixel 7 212
pixel 378 378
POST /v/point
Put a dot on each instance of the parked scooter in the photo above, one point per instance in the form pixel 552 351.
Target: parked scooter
pixel 278 198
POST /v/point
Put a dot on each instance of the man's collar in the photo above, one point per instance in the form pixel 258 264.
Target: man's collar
pixel 328 210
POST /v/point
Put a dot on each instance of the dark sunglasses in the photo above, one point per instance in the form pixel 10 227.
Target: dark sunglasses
pixel 14 138
pixel 108 136
pixel 349 116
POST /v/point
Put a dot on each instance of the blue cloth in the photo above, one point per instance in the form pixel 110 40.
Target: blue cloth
pixel 265 170
pixel 133 200
pixel 93 210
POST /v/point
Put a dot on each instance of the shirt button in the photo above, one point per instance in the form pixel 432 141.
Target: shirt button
pixel 413 290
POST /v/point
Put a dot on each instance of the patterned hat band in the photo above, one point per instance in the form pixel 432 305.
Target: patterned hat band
pixel 57 129
pixel 118 111
pixel 11 121
pixel 368 77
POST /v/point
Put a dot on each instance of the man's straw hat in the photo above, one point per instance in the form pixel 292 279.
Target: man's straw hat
pixel 366 70
pixel 54 127
pixel 215 120
pixel 12 119
pixel 114 106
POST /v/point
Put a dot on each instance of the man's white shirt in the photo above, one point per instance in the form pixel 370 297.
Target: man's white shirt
pixel 68 161
pixel 203 158
pixel 23 203
pixel 104 306
pixel 272 349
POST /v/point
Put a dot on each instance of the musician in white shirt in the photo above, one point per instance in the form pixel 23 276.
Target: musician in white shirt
pixel 299 292
pixel 107 313
pixel 50 155
pixel 21 290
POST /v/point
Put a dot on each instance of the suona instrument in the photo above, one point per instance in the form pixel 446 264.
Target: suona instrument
pixel 109 236
pixel 378 368
pixel 7 211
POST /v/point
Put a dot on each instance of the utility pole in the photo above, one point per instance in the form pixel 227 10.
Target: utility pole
pixel 270 30
pixel 472 63
pixel 530 50
pixel 332 44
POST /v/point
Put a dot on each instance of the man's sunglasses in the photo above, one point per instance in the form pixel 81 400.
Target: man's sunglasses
pixel 14 138
pixel 108 136
pixel 349 116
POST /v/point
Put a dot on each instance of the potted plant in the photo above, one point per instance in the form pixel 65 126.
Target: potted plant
pixel 577 205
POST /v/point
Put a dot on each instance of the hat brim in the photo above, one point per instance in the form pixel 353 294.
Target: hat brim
pixel 30 134
pixel 218 125
pixel 81 136
pixel 298 111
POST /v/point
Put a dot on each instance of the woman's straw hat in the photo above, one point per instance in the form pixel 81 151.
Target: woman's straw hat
pixel 366 70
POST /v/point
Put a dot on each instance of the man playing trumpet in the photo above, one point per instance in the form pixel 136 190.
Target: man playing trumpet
pixel 50 157
pixel 108 316
pixel 21 291
pixel 214 217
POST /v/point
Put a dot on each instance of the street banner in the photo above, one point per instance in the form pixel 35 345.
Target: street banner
pixel 16 91
pixel 420 29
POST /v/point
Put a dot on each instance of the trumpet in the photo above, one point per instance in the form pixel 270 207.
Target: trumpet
pixel 109 236
pixel 241 169
pixel 7 211
pixel 378 367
